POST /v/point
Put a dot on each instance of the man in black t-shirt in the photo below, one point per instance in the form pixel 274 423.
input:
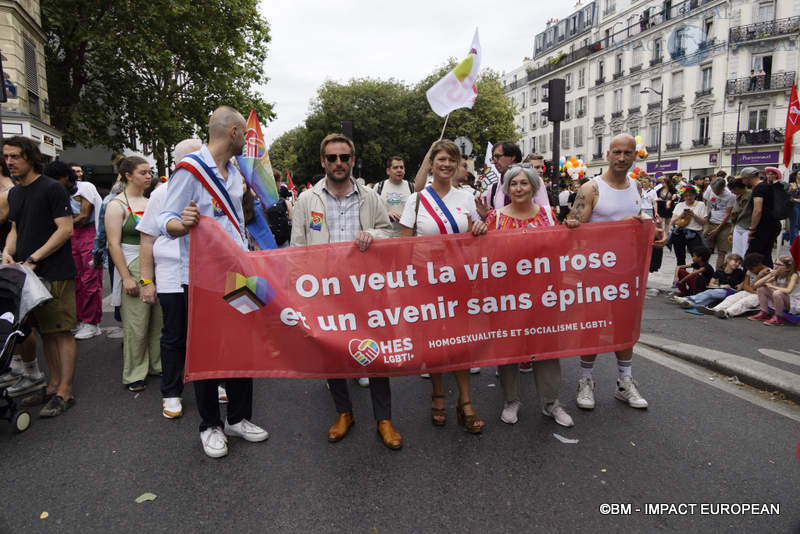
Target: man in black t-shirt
pixel 764 229
pixel 40 234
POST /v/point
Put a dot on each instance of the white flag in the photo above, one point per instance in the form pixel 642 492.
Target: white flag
pixel 457 88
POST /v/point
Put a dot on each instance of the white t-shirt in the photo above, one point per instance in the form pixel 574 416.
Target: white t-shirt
pixel 719 204
pixel 649 196
pixel 394 197
pixel 460 203
pixel 698 208
pixel 166 252
pixel 563 198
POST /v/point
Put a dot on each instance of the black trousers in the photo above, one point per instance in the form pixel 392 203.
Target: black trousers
pixel 681 243
pixel 239 390
pixel 173 343
pixel 379 391
pixel 763 241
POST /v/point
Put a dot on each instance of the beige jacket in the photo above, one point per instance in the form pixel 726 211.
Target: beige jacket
pixel 372 213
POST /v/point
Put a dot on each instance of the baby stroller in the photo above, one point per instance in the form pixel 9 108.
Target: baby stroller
pixel 20 292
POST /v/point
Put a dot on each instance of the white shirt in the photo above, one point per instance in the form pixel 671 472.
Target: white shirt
pixel 166 252
pixel 460 203
pixel 88 191
pixel 719 204
pixel 698 208
pixel 563 198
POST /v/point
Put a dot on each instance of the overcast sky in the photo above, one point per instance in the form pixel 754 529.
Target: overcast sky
pixel 313 41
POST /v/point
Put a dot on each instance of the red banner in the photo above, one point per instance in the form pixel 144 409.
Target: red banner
pixel 413 305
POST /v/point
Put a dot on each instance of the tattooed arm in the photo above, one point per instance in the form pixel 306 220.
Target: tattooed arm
pixel 584 202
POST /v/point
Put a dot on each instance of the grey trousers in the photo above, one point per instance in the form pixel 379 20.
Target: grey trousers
pixel 547 374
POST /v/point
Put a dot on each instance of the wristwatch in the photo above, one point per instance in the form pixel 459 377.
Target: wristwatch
pixel 144 281
pixel 30 259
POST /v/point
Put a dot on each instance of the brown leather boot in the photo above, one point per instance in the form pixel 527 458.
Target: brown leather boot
pixel 389 435
pixel 340 427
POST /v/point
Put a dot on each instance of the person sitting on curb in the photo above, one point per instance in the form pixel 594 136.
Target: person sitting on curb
pixel 691 283
pixel 779 288
pixel 745 300
pixel 725 282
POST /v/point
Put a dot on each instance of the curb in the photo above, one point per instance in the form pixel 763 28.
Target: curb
pixel 749 371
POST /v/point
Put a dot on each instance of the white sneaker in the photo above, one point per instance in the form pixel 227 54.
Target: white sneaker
pixel 87 331
pixel 246 430
pixel 585 398
pixel 509 413
pixel 78 327
pixel 171 407
pixel 683 302
pixel 363 382
pixel 425 375
pixel 474 370
pixel 557 412
pixel 627 392
pixel 215 444
pixel 222 395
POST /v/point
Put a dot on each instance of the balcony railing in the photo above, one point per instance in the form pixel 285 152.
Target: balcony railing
pixel 655 61
pixel 580 113
pixel 616 114
pixel 635 68
pixel 653 105
pixel 596 157
pixel 767 136
pixel 618 75
pixel 600 118
pixel 703 92
pixel 764 30
pixel 703 141
pixel 776 82
pixel 567 116
pixel 636 109
pixel 652 149
pixel 600 81
pixel 673 146
pixel 545 98
pixel 676 99
pixel 565 60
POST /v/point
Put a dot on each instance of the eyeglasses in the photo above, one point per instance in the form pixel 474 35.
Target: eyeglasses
pixel 495 157
pixel 344 158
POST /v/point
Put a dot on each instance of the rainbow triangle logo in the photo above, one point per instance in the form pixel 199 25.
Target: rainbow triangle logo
pixel 247 294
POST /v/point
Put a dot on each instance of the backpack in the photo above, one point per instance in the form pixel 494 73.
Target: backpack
pixel 782 205
pixel 379 189
pixel 279 223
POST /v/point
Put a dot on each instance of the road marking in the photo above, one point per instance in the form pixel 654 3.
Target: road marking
pixel 701 374
pixel 780 355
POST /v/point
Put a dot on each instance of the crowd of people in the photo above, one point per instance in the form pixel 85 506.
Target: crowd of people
pixel 58 226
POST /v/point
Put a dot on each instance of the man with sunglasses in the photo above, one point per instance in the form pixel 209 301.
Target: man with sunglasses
pixel 338 209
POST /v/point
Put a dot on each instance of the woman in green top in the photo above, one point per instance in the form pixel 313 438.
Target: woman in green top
pixel 141 322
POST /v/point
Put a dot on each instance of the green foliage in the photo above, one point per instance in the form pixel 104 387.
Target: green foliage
pixel 391 118
pixel 151 70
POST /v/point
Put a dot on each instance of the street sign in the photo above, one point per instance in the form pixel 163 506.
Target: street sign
pixel 464 145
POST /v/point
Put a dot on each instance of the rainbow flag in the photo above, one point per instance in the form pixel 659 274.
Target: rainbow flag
pixel 247 294
pixel 254 163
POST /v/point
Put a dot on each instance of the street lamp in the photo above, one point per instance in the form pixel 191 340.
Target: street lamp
pixel 660 119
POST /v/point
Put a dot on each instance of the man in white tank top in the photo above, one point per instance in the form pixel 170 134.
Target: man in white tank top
pixel 613 196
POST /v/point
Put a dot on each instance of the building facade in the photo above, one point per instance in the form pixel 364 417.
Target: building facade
pixel 26 112
pixel 682 75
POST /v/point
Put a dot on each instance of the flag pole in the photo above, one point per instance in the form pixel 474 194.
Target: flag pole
pixel 445 126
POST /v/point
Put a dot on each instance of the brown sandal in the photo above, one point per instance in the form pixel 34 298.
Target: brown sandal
pixel 438 415
pixel 470 422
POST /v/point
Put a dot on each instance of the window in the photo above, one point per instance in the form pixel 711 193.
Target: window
pixel 637 55
pixel 600 106
pixel 655 84
pixel 675 131
pixel 545 93
pixel 657 48
pixel 533 95
pixel 618 64
pixel 522 145
pixel 634 131
pixel 581 106
pixel 705 81
pixel 757 119
pixel 676 87
pixel 543 143
pixel 543 117
pixel 522 100
pixel 618 100
pixel 533 144
pixel 31 77
pixel 578 136
pixel 533 120
pixel 653 137
pixel 598 144
pixel 581 78
pixel 702 127
pixel 568 81
pixel 766 11
pixel 565 138
pixel 600 70
pixel 635 94
pixel 709 26
pixel 568 110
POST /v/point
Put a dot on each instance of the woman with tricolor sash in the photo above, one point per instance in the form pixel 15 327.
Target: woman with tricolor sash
pixel 520 184
pixel 441 208
pixel 141 322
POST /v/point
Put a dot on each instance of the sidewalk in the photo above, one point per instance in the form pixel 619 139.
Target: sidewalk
pixel 771 369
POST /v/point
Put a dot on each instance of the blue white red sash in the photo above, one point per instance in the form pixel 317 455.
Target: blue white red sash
pixel 213 185
pixel 440 214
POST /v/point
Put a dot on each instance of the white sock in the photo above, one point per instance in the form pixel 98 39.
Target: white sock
pixel 32 370
pixel 17 365
pixel 586 369
pixel 624 368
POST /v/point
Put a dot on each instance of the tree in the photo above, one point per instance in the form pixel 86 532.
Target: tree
pixel 391 118
pixel 151 70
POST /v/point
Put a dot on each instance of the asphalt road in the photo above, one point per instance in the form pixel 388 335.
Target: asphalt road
pixel 695 444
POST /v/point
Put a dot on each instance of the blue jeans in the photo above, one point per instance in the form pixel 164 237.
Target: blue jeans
pixel 708 297
pixel 794 224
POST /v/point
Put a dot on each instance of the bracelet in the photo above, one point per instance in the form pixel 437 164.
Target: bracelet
pixel 30 259
pixel 144 281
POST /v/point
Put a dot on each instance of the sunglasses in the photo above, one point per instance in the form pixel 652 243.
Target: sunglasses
pixel 344 158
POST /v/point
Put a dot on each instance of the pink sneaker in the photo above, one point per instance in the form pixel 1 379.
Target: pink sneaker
pixel 760 316
pixel 775 321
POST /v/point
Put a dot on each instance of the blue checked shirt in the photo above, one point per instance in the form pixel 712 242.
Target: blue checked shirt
pixel 343 215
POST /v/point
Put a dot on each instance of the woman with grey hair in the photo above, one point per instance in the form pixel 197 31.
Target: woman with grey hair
pixel 520 184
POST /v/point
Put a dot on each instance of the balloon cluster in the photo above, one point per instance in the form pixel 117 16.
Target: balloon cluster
pixel 573 168
pixel 637 173
pixel 641 150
